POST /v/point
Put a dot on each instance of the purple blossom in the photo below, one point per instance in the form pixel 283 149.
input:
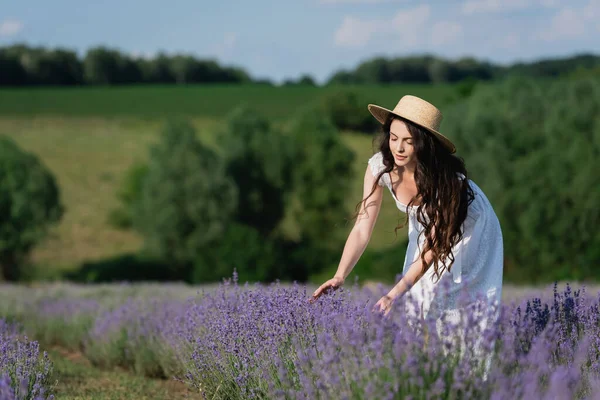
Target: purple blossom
pixel 24 372
pixel 257 341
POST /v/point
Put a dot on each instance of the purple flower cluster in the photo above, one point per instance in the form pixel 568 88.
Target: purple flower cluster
pixel 141 333
pixel 23 373
pixel 62 321
pixel 267 341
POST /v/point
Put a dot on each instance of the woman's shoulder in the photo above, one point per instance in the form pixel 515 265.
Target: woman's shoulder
pixel 377 167
pixel 376 162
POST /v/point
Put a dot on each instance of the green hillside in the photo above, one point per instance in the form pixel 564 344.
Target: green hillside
pixel 212 101
pixel 89 137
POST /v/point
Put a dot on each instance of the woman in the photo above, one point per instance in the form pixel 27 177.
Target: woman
pixel 455 240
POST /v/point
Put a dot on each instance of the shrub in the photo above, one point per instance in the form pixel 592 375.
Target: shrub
pixel 532 147
pixel 241 248
pixel 348 111
pixel 257 158
pixel 322 177
pixel 186 201
pixel 29 205
pixel 125 267
pixel 128 195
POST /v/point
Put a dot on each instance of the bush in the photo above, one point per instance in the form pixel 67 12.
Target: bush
pixel 348 111
pixel 257 158
pixel 29 205
pixel 128 195
pixel 241 248
pixel 533 147
pixel 322 177
pixel 126 267
pixel 187 201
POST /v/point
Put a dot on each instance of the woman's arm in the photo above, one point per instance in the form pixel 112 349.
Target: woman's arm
pixel 359 236
pixel 363 227
pixel 414 273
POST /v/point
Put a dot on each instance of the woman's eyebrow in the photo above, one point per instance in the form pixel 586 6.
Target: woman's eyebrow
pixel 406 137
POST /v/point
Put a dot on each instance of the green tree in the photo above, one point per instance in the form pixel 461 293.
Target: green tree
pixel 532 147
pixel 187 200
pixel 29 205
pixel 13 73
pixel 348 110
pixel 342 77
pixel 257 158
pixel 322 177
pixel 156 70
pixel 129 194
pixel 55 67
pixel 243 248
pixel 307 80
pixel 104 66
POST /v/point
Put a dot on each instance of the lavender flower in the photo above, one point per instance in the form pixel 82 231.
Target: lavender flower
pixel 24 374
pixel 243 341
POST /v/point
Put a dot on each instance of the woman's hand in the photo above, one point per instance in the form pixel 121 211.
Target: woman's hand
pixel 332 284
pixel 384 305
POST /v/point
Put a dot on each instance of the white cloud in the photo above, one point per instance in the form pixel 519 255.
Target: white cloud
pixel 406 25
pixel 445 32
pixel 224 48
pixel 10 27
pixel 567 23
pixel 356 32
pixel 470 7
pixel 570 22
pixel 592 10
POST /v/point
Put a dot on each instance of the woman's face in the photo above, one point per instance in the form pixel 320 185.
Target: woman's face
pixel 401 144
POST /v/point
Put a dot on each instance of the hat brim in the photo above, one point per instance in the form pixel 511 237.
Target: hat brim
pixel 382 114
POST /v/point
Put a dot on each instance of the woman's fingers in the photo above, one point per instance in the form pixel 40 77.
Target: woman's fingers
pixel 377 306
pixel 317 293
pixel 322 289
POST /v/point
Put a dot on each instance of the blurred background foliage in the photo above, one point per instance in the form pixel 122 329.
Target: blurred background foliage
pixel 186 183
pixel 101 65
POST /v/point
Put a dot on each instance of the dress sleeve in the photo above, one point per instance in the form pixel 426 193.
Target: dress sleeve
pixel 376 163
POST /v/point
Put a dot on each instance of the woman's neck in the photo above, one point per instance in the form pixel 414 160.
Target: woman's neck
pixel 407 171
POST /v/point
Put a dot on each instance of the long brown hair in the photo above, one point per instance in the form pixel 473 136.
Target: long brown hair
pixel 444 197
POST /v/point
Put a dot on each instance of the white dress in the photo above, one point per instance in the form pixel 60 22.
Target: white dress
pixel 478 265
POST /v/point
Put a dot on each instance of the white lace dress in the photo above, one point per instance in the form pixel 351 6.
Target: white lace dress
pixel 477 269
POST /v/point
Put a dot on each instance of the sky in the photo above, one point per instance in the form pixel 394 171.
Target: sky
pixel 281 39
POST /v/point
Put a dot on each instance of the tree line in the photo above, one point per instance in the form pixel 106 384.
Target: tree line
pixel 27 66
pixel 22 65
pixel 432 69
pixel 533 147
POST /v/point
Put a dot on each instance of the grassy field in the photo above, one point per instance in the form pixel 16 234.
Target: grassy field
pixel 75 378
pixel 213 101
pixel 89 137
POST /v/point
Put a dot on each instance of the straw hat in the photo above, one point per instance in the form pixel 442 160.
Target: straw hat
pixel 418 111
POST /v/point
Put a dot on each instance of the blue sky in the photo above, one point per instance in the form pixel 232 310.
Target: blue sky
pixel 280 39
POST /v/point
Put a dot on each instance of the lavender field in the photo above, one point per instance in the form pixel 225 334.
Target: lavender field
pixel 244 341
